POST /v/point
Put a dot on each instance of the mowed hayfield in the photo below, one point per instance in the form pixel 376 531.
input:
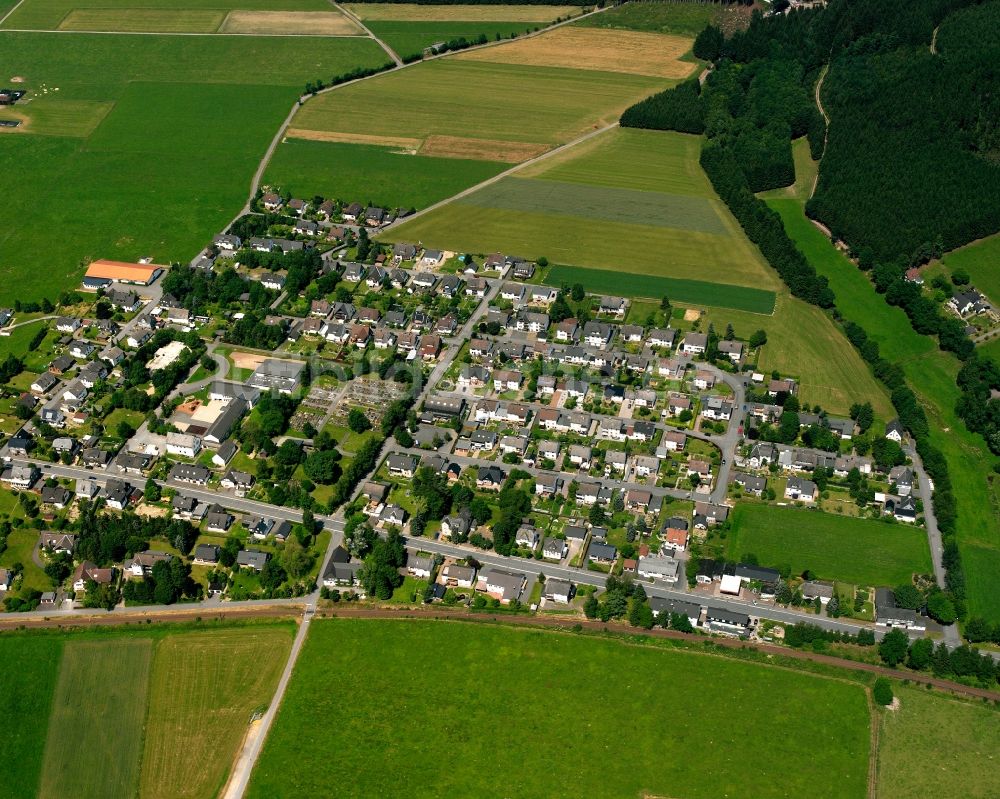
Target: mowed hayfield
pixel 409 39
pixel 94 742
pixel 937 745
pixel 183 16
pixel 29 668
pixel 371 173
pixel 931 374
pixel 833 547
pixel 517 708
pixel 149 143
pixel 194 733
pixel 632 52
pixel 627 200
pixel 121 713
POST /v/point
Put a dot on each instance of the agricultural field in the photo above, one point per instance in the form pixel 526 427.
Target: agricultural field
pixel 556 740
pixel 981 260
pixel 628 200
pixel 937 745
pixel 679 18
pixel 187 16
pixel 631 52
pixel 410 28
pixel 371 173
pixel 152 713
pixel 833 547
pixel 94 743
pixel 931 374
pixel 190 114
pixel 226 676
pixel 29 667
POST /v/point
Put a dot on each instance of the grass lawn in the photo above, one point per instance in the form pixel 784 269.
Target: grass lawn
pixel 182 111
pixel 370 173
pixel 845 548
pixel 204 686
pixel 939 746
pixel 118 415
pixel 627 201
pixel 680 18
pixel 20 544
pixel 411 592
pixel 931 374
pixel 980 259
pixel 556 742
pixel 29 666
pixel 95 735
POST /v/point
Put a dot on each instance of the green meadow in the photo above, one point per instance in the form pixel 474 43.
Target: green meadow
pixel 679 18
pixel 366 173
pixel 155 150
pixel 833 547
pixel 411 37
pixel 628 201
pixel 981 260
pixel 931 374
pixel 542 713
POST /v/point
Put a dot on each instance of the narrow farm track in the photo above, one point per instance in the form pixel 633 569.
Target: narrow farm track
pixel 15 8
pixel 826 119
pixel 357 21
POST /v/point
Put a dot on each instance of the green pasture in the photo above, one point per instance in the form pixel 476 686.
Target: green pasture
pixel 937 745
pixel 382 175
pixel 931 373
pixel 181 16
pixel 29 667
pixel 679 18
pixel 556 739
pixel 184 121
pixel 409 38
pixel 833 547
pixel 689 292
pixel 981 260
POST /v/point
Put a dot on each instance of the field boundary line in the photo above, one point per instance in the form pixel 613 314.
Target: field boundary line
pixel 186 33
pixel 17 5
pixel 357 21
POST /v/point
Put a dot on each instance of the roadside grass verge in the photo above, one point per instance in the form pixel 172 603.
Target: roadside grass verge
pixel 833 547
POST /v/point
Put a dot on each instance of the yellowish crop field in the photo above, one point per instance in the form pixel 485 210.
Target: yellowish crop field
pixel 633 52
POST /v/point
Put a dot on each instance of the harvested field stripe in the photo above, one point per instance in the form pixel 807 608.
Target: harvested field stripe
pixel 481 149
pixel 95 730
pixel 353 138
pixel 691 292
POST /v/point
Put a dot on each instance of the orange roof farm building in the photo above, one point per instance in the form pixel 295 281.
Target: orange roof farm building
pixel 103 272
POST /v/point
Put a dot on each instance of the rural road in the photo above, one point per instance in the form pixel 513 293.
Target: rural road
pixel 357 21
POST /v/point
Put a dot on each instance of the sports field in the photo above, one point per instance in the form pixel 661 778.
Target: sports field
pixel 371 173
pixel 981 260
pixel 153 141
pixel 931 374
pixel 936 745
pixel 628 200
pixel 183 16
pixel 519 707
pixel 223 676
pixel 94 743
pixel 832 547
